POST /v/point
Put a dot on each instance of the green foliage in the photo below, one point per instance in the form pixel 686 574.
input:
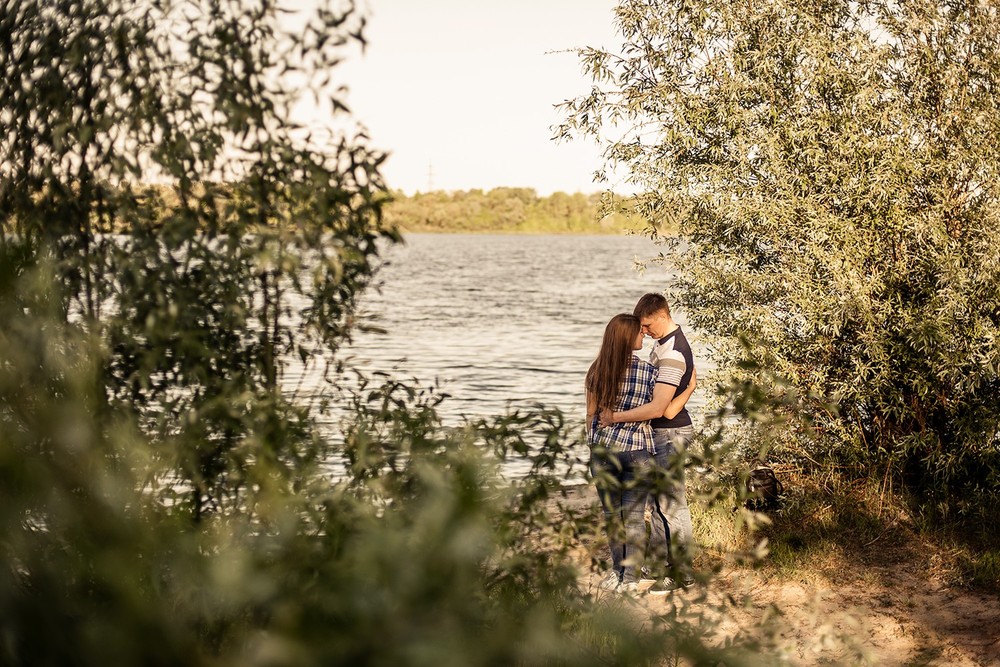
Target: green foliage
pixel 510 210
pixel 417 556
pixel 415 552
pixel 833 170
pixel 983 568
pixel 201 298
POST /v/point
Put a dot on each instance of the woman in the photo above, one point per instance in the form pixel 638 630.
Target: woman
pixel 619 381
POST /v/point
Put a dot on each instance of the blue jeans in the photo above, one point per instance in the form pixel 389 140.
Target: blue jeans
pixel 624 504
pixel 670 530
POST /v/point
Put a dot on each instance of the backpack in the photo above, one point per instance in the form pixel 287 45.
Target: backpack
pixel 763 489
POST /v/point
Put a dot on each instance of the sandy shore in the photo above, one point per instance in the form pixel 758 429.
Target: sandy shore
pixel 891 614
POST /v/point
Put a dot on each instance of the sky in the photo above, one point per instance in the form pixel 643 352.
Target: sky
pixel 461 92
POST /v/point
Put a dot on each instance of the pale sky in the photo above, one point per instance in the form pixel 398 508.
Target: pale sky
pixel 461 92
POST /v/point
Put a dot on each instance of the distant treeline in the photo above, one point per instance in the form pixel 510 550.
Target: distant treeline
pixel 497 210
pixel 506 210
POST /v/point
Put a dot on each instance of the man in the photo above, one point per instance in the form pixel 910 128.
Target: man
pixel 671 519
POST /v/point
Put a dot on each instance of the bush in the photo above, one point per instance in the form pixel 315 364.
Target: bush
pixel 833 170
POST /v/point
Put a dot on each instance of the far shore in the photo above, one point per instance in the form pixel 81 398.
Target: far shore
pixel 514 211
pixel 596 231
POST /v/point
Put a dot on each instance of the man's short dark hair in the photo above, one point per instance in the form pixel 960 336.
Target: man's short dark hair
pixel 649 304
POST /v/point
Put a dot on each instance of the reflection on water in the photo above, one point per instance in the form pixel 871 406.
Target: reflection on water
pixel 502 320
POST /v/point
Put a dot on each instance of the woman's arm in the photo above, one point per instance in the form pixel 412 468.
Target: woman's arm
pixel 680 400
pixel 591 405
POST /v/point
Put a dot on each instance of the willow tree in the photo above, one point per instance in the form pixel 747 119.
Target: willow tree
pixel 833 170
pixel 197 228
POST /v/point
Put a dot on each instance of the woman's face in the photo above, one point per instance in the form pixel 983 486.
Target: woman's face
pixel 637 342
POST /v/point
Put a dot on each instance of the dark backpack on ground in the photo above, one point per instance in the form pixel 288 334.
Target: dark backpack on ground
pixel 763 489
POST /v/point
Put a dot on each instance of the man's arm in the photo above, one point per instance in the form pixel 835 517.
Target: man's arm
pixel 662 395
pixel 669 372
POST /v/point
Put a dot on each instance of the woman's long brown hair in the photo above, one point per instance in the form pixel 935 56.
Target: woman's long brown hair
pixel 608 370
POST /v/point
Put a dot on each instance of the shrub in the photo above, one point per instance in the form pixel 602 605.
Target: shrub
pixel 832 169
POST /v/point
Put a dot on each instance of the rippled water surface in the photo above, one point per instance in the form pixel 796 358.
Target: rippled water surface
pixel 502 320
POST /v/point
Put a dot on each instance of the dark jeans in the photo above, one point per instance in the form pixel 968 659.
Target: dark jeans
pixel 624 504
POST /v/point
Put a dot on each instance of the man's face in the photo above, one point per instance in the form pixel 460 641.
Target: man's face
pixel 655 325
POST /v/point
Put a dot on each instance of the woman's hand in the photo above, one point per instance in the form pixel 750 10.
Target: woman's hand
pixel 606 417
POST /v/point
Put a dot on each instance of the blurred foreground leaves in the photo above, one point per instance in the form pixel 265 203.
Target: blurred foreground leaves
pixel 417 554
pixel 400 544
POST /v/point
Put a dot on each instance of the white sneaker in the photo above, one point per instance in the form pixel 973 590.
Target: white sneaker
pixel 610 582
pixel 629 588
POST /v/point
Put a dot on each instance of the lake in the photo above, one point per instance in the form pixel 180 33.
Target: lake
pixel 503 321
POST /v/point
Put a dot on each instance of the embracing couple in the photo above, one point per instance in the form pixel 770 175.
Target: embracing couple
pixel 636 424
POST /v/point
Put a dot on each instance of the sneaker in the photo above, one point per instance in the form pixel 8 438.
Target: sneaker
pixel 668 584
pixel 645 574
pixel 610 582
pixel 663 586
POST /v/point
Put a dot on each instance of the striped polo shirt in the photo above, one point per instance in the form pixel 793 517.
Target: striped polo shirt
pixel 674 363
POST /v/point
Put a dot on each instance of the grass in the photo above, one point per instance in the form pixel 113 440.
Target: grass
pixel 982 570
pixel 826 523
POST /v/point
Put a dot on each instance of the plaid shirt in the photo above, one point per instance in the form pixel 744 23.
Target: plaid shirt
pixel 636 389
